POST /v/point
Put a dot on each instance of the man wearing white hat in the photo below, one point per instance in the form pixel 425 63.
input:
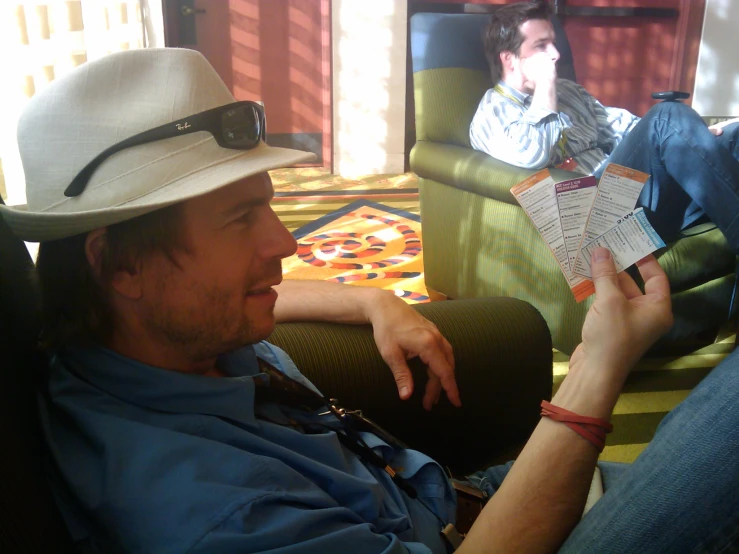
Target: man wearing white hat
pixel 175 428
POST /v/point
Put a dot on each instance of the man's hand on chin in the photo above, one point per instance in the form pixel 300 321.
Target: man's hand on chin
pixel 541 76
pixel 540 69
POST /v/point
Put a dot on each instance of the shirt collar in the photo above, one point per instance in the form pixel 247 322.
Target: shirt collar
pixel 162 390
pixel 522 97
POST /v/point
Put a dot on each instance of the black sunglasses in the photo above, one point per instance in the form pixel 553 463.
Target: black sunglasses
pixel 239 126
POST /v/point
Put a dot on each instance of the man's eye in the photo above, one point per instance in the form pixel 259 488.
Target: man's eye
pixel 246 217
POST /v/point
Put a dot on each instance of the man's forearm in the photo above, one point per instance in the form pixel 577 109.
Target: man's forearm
pixel 544 494
pixel 300 300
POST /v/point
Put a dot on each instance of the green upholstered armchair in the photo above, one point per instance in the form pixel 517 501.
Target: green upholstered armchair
pixel 478 242
pixel 503 356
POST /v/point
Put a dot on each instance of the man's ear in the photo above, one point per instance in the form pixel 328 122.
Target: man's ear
pixel 94 247
pixel 506 59
pixel 124 281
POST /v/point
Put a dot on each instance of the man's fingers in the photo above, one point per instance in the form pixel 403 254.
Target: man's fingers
pixel 401 373
pixel 438 365
pixel 448 352
pixel 603 270
pixel 433 392
pixel 655 279
pixel 628 286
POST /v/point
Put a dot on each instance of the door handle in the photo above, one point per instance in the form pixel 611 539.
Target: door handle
pixel 188 11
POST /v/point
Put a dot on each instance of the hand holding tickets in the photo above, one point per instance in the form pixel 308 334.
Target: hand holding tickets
pixel 574 217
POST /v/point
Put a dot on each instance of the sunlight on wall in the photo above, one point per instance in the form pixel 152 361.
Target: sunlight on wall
pixel 716 84
pixel 153 22
pixel 12 100
pixel 45 39
pixel 369 57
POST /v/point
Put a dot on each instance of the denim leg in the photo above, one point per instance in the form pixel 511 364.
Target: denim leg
pixel 490 479
pixel 729 139
pixel 611 472
pixel 680 495
pixel 693 173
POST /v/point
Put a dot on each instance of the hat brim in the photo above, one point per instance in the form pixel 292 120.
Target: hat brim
pixel 45 226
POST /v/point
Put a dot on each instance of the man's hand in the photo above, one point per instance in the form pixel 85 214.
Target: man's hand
pixel 623 322
pixel 540 69
pixel 540 79
pixel 546 488
pixel 402 333
pixel 718 128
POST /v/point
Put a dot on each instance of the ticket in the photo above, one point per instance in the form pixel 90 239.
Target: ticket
pixel 574 200
pixel 629 241
pixel 618 191
pixel 538 198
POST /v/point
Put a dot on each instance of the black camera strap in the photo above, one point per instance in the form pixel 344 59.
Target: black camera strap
pixel 281 389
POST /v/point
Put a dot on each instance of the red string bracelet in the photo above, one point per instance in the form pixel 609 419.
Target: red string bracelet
pixel 593 429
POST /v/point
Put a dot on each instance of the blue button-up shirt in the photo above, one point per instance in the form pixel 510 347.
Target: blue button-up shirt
pixel 151 460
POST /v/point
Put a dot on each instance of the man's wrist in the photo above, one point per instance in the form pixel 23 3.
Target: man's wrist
pixel 374 302
pixel 545 95
pixel 590 390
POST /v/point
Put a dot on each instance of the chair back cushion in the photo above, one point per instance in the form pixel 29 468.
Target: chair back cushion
pixel 29 519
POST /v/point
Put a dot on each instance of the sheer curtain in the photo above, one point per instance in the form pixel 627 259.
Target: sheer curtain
pixel 41 40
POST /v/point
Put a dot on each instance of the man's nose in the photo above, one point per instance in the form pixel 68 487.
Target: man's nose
pixel 281 242
pixel 554 53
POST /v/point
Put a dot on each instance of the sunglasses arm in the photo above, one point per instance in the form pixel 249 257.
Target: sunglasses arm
pixel 183 126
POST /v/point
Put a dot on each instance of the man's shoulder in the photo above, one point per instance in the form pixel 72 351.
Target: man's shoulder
pixel 490 96
pixel 492 105
pixel 571 86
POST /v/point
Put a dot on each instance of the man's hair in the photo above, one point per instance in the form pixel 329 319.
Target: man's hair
pixel 75 302
pixel 503 32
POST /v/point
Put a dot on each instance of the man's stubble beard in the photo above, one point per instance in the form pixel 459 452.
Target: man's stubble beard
pixel 203 329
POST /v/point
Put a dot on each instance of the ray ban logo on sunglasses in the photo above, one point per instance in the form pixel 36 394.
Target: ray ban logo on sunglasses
pixel 182 127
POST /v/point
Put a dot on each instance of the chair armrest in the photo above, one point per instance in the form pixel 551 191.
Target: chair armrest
pixel 503 356
pixel 472 170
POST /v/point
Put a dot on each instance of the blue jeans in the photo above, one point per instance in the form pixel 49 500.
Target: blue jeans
pixel 682 493
pixel 694 174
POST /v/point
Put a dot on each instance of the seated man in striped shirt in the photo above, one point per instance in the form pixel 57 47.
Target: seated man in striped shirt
pixel 532 119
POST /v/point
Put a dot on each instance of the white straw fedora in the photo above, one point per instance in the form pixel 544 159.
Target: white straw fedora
pixel 105 101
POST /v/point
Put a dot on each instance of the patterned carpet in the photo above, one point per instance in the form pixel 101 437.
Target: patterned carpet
pixel 363 244
pixel 658 383
pixel 306 194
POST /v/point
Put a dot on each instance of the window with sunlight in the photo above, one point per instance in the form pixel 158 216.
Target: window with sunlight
pixel 44 39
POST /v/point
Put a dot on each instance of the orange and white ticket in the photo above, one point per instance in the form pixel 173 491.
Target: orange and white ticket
pixel 618 191
pixel 537 196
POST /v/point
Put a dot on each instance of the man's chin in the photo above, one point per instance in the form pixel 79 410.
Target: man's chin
pixel 261 330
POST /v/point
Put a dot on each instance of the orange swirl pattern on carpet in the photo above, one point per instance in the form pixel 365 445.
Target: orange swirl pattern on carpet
pixel 362 244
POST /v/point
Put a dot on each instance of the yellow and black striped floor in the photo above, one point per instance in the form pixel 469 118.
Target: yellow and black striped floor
pixel 657 384
pixel 303 195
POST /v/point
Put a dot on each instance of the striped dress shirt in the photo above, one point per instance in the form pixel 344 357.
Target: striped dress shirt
pixel 507 128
